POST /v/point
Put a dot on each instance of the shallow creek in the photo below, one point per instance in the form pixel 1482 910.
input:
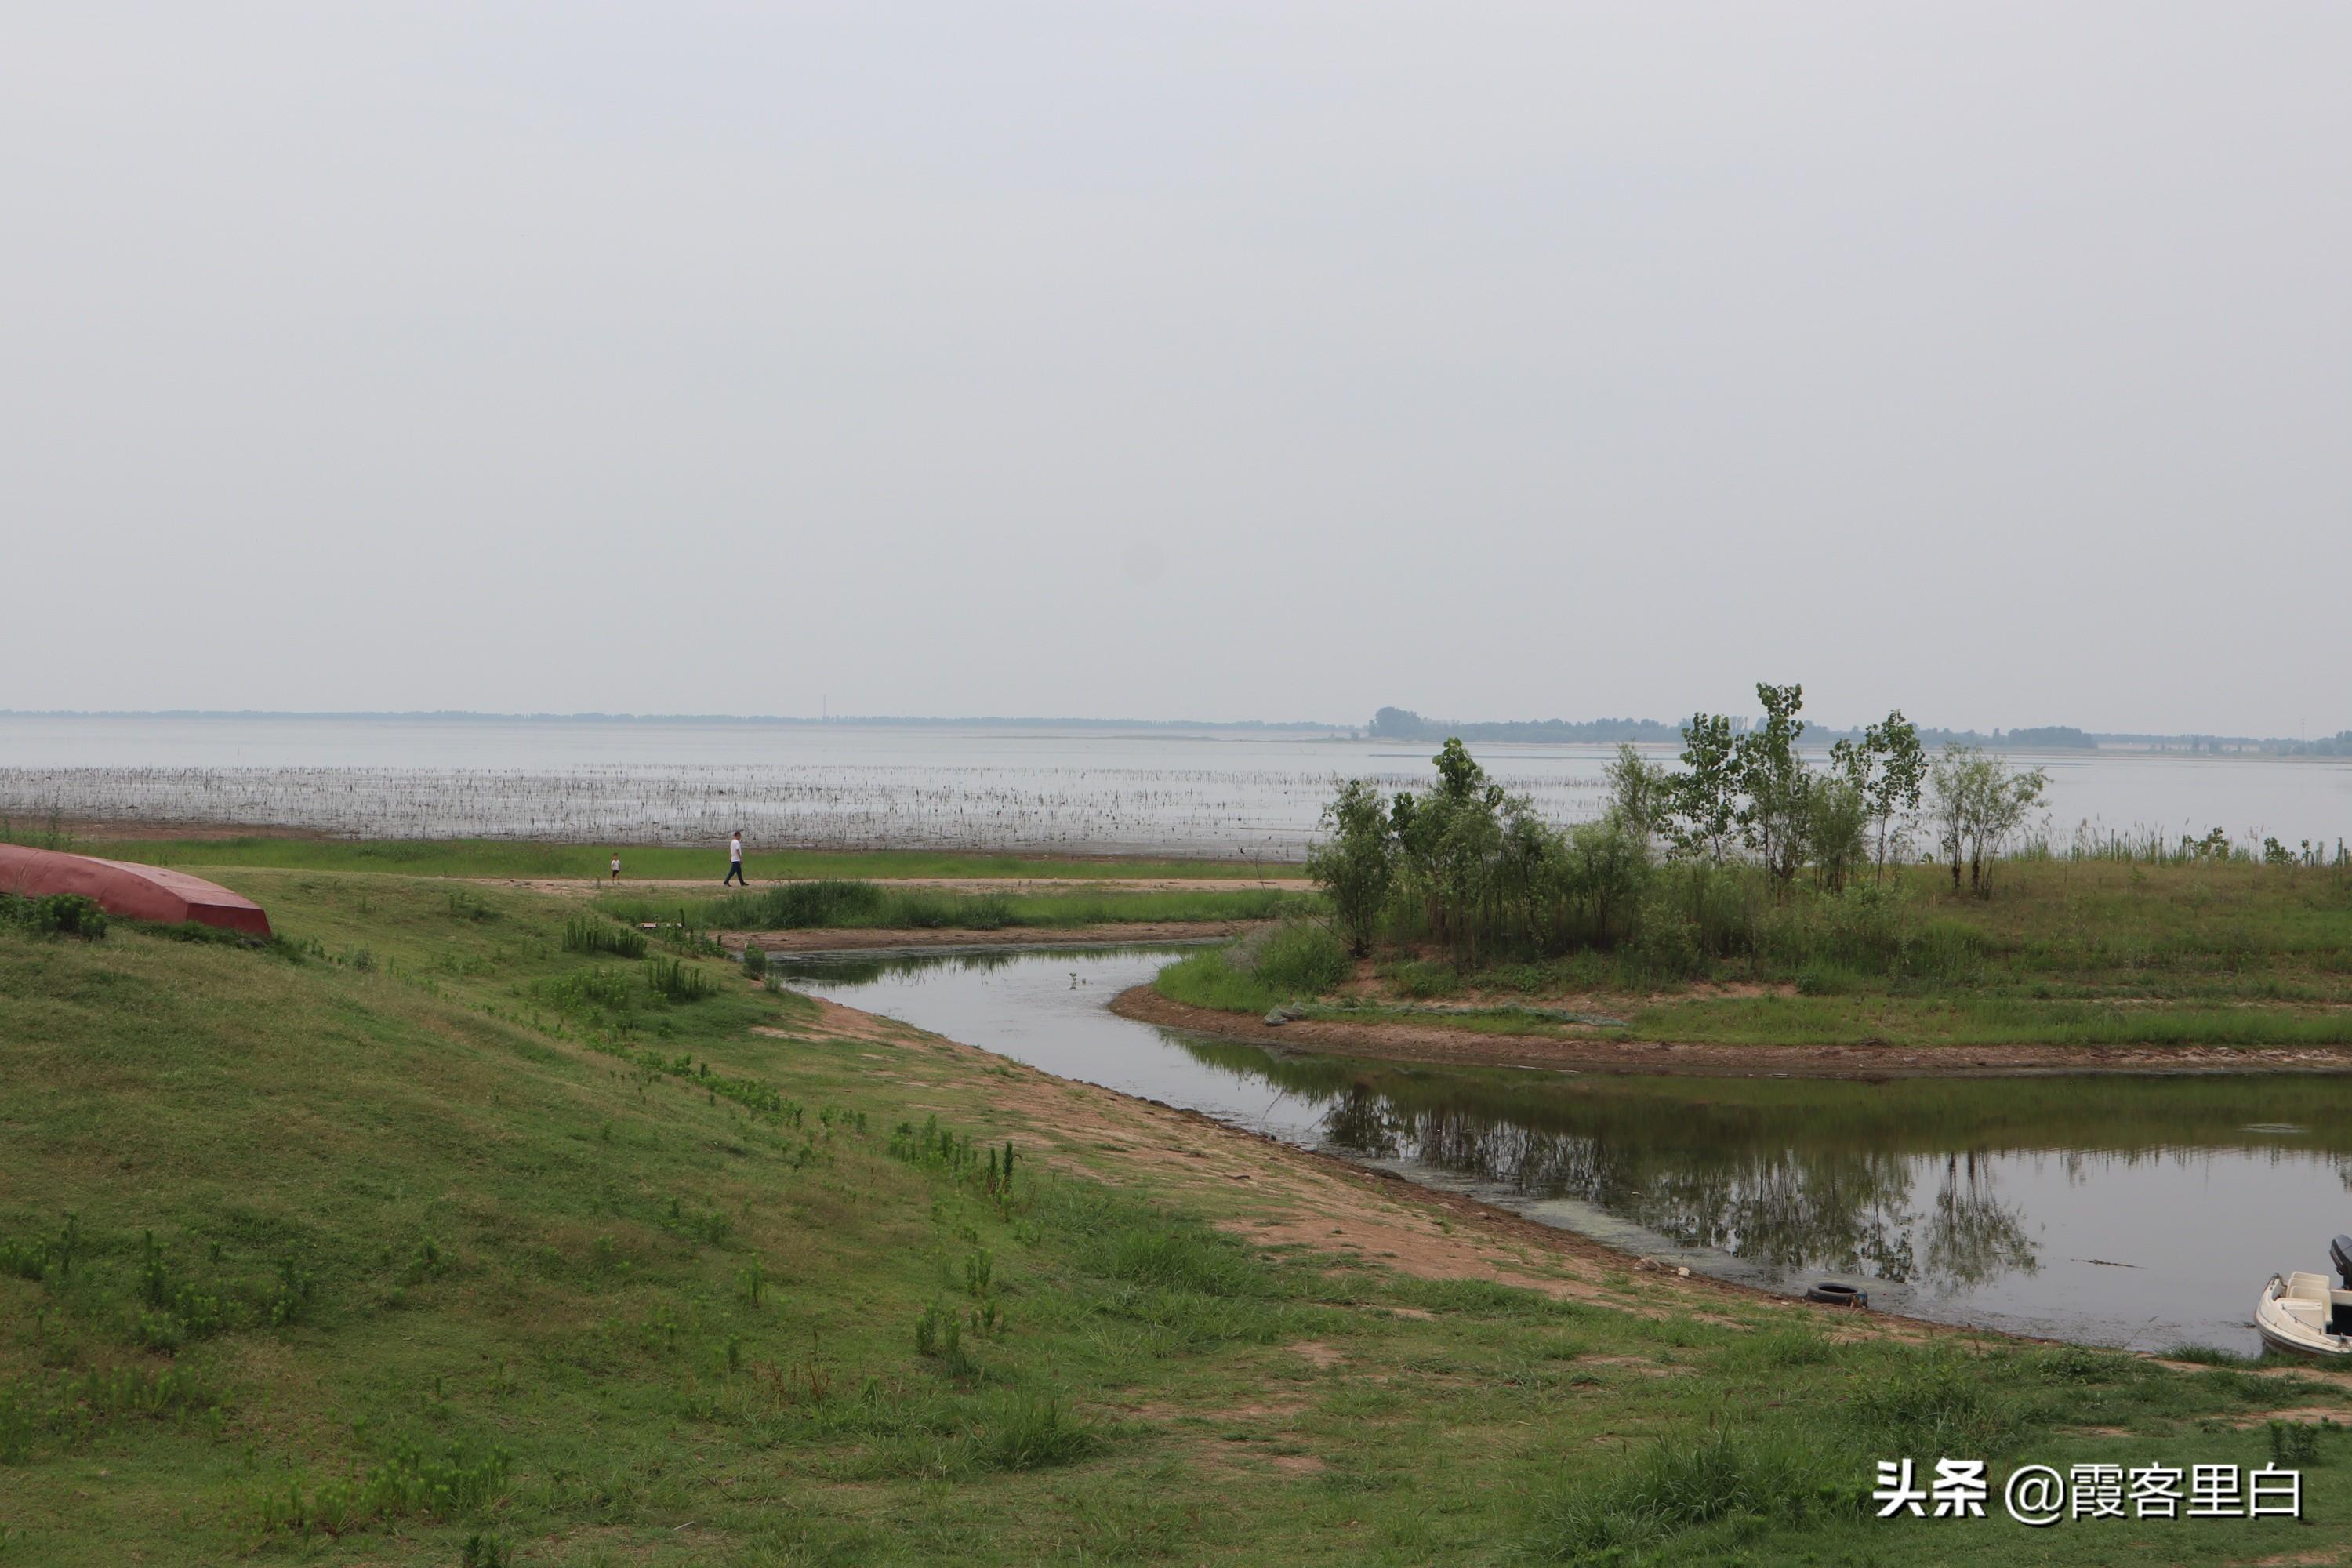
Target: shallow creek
pixel 2144 1212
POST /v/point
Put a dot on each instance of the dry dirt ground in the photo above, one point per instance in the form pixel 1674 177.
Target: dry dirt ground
pixel 1574 1048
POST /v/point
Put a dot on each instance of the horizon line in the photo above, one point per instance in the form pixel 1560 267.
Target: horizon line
pixel 853 721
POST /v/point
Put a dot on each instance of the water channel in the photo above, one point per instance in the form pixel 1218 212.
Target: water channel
pixel 2132 1211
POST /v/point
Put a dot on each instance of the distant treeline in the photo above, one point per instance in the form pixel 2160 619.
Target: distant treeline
pixel 1405 724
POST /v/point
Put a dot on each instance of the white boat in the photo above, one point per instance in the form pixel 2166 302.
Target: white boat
pixel 2302 1314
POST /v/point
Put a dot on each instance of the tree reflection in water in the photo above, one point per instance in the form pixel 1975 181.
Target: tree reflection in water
pixel 1895 1181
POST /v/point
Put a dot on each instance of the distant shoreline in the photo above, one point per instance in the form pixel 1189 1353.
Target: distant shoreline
pixel 1604 733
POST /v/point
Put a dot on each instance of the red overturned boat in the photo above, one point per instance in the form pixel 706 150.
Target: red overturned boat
pixel 133 892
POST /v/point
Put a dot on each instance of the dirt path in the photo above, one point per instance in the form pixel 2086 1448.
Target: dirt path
pixel 588 887
pixel 1567 1048
pixel 1143 934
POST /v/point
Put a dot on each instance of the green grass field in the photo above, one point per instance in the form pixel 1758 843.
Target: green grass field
pixel 447 1245
pixel 2062 955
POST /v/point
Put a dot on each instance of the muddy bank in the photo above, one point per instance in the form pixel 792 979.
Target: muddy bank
pixel 1568 1048
pixel 1137 934
pixel 1327 1202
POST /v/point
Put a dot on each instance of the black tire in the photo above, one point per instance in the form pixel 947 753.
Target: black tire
pixel 1829 1293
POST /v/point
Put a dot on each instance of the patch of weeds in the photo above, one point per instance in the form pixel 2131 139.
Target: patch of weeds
pixel 457 1481
pixel 291 1295
pixel 465 906
pixel 674 980
pixel 588 933
pixel 1782 1344
pixel 72 1409
pixel 182 1312
pixel 938 1332
pixel 1932 1402
pixel 57 914
pixel 2295 1444
pixel 599 994
pixel 1175 1256
pixel 1023 1431
pixel 36 1259
pixel 2080 1364
pixel 709 1227
pixel 1684 1484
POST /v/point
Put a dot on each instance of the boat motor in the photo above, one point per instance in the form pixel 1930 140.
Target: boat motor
pixel 2340 1252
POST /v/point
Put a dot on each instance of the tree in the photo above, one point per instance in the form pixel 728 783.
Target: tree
pixel 1837 828
pixel 1893 790
pixel 1356 865
pixel 1980 802
pixel 1447 842
pixel 1886 768
pixel 1706 796
pixel 1778 789
pixel 1641 796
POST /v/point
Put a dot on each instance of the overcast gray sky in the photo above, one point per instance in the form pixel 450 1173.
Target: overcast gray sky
pixel 1184 359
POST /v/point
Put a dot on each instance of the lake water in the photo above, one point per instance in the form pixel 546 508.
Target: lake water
pixel 2139 1212
pixel 1202 792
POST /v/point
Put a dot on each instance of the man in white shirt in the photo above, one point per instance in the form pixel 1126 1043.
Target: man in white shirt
pixel 735 861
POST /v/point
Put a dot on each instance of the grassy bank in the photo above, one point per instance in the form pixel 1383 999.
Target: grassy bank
pixel 2063 953
pixel 505 857
pixel 878 906
pixel 428 1240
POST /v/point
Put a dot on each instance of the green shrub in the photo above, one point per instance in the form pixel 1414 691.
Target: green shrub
pixel 57 914
pixel 1296 958
pixel 587 933
pixel 677 981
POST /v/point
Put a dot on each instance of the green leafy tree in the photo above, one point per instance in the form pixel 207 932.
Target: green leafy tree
pixel 1356 862
pixel 1776 810
pixel 1980 802
pixel 1447 840
pixel 1641 795
pixel 1894 784
pixel 1837 829
pixel 1705 793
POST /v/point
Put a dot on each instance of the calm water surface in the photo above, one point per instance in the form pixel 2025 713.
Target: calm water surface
pixel 2141 1212
pixel 1238 792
